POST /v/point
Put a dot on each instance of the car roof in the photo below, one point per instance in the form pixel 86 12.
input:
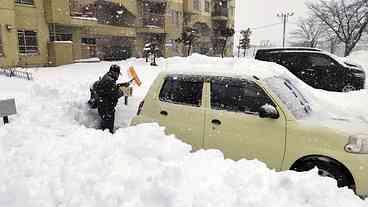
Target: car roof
pixel 288 49
pixel 235 67
pixel 300 51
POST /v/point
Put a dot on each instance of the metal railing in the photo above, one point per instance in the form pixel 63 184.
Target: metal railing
pixel 14 72
pixel 153 20
pixel 220 12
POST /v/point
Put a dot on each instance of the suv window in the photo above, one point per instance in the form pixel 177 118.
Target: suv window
pixel 320 61
pixel 293 61
pixel 185 90
pixel 237 95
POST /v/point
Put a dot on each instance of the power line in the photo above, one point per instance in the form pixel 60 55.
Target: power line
pixel 265 26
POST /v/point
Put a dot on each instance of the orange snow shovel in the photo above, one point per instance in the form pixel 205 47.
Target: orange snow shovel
pixel 134 77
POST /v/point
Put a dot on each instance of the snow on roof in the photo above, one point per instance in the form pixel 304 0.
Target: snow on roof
pixel 230 67
pixel 289 48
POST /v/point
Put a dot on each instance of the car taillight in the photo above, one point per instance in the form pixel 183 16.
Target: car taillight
pixel 140 108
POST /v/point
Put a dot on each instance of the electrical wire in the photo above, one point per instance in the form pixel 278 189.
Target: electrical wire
pixel 264 26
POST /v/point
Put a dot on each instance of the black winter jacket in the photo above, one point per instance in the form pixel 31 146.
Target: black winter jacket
pixel 108 92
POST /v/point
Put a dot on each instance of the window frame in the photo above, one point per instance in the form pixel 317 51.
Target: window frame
pixel 197 5
pixel 1 42
pixel 207 6
pixel 25 45
pixel 183 77
pixel 25 2
pixel 242 81
pixel 60 33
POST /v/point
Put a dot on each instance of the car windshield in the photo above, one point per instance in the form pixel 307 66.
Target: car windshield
pixel 293 99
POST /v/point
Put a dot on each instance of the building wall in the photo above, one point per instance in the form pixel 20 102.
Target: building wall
pixel 60 53
pixel 31 17
pixel 174 27
pixel 9 40
pixel 37 17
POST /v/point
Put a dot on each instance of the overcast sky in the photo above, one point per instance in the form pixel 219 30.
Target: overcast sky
pixel 258 13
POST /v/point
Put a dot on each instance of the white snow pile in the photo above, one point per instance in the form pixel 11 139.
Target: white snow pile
pixel 50 155
pixel 361 57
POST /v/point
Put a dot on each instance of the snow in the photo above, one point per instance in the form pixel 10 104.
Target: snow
pixel 85 18
pixel 361 57
pixel 51 155
pixel 86 60
pixel 68 42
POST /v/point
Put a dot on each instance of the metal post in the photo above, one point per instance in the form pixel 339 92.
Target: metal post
pixel 284 35
pixel 284 17
pixel 6 120
pixel 126 100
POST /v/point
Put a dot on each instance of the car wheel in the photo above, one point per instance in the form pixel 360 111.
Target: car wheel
pixel 348 88
pixel 328 169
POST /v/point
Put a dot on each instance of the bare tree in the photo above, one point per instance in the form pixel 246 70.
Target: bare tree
pixel 346 18
pixel 330 37
pixel 244 42
pixel 308 32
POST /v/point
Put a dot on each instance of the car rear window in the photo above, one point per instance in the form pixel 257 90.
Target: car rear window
pixel 184 90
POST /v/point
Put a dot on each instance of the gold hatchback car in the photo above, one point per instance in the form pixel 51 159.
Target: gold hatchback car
pixel 254 117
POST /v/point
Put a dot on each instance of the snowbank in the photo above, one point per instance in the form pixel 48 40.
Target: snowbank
pixel 51 155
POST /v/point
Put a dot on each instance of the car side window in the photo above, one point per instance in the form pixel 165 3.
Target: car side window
pixel 237 95
pixel 320 61
pixel 182 90
pixel 293 61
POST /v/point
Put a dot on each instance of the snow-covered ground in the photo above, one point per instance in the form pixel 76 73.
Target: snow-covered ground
pixel 51 155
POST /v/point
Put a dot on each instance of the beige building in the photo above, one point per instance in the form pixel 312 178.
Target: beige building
pixel 57 32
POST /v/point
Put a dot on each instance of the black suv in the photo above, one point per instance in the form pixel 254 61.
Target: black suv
pixel 317 68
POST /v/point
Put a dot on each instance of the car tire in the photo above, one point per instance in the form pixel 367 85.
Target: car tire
pixel 348 88
pixel 328 169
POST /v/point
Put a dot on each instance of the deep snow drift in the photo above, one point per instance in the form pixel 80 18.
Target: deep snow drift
pixel 50 154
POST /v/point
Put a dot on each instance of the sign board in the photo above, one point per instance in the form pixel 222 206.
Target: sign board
pixel 127 91
pixel 7 107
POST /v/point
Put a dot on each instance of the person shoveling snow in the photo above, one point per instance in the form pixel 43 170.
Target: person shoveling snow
pixel 105 94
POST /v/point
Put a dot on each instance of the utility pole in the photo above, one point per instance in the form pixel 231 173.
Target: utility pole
pixel 284 16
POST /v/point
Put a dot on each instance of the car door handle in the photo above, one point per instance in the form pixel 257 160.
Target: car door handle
pixel 164 113
pixel 216 122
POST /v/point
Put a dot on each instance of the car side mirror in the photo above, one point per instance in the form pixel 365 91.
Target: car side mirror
pixel 268 111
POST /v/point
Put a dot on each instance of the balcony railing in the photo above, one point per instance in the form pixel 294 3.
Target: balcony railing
pixel 153 20
pixel 103 11
pixel 85 9
pixel 220 12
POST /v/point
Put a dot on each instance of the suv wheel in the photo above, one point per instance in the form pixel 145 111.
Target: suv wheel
pixel 328 169
pixel 348 88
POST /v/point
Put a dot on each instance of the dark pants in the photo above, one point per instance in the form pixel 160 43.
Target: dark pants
pixel 107 118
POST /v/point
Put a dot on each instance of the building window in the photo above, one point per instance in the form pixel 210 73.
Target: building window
pixel 27 42
pixel 232 11
pixel 197 5
pixel 1 44
pixel 60 33
pixel 176 17
pixel 173 13
pixel 28 2
pixel 89 47
pixel 207 6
